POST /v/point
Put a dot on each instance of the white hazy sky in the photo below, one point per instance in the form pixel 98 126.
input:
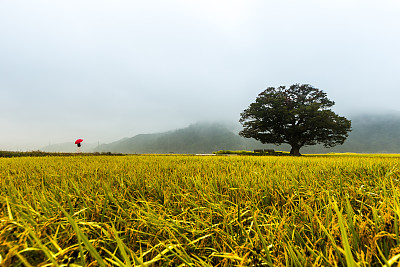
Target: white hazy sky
pixel 103 70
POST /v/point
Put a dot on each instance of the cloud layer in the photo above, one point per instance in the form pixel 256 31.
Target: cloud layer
pixel 103 70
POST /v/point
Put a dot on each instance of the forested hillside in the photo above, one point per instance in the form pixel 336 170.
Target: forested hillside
pixel 197 138
pixel 370 134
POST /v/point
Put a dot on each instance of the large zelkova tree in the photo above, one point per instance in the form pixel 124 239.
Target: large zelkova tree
pixel 299 115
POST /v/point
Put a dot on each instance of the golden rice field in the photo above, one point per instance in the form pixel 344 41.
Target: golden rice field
pixel 155 210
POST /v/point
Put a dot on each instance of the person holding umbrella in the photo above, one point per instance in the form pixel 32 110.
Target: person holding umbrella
pixel 78 144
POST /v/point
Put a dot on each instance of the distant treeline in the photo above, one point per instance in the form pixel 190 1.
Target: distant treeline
pixel 12 154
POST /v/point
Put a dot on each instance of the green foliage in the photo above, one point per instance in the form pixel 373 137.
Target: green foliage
pixel 298 116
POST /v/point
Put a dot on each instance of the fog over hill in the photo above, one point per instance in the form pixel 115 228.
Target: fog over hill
pixel 103 70
pixel 203 137
pixel 370 134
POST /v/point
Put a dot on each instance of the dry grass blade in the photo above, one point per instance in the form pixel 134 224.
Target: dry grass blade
pixel 84 239
pixel 347 249
pixel 392 261
pixel 262 239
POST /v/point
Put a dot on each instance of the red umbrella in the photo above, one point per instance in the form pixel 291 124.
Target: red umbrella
pixel 78 141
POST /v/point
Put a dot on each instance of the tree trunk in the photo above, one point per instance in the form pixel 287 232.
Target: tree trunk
pixel 295 151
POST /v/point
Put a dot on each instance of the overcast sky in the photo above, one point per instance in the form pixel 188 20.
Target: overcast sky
pixel 104 70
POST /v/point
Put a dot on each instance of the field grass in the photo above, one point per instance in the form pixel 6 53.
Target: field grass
pixel 331 210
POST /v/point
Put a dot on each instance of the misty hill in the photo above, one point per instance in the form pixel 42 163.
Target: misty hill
pixel 196 138
pixel 370 134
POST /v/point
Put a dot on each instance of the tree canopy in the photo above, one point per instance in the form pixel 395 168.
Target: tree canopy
pixel 299 115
